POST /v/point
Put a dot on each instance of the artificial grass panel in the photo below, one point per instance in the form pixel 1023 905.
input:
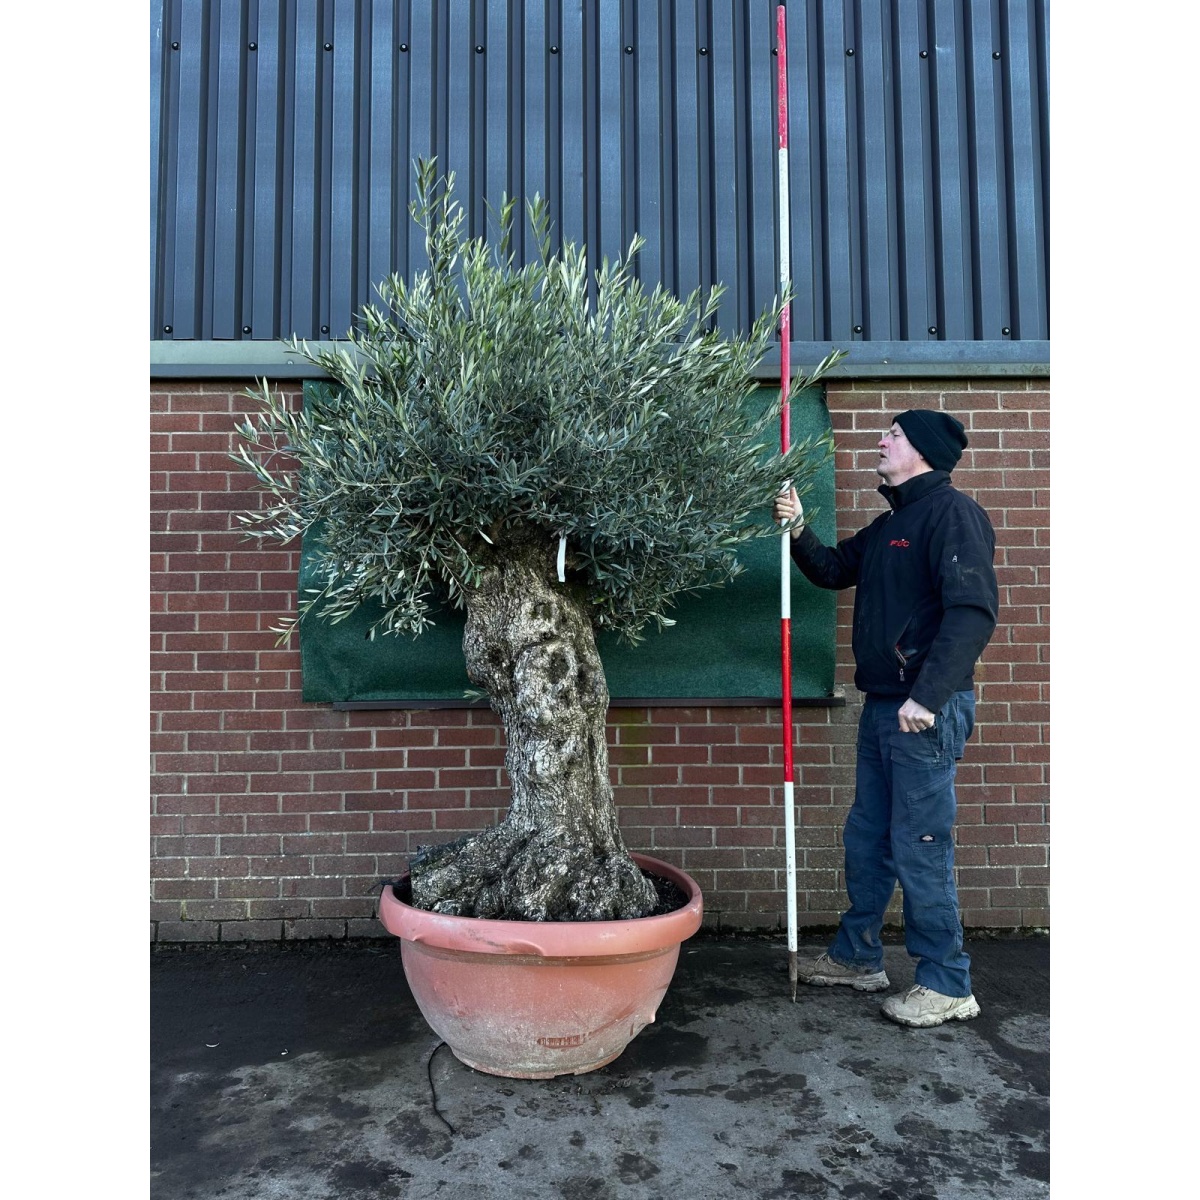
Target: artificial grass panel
pixel 725 643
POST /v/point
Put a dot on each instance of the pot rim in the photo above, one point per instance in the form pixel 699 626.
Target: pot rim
pixel 551 939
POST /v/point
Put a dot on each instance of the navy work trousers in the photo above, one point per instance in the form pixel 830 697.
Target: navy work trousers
pixel 900 827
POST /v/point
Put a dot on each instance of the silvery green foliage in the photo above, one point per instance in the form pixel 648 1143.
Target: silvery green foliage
pixel 482 397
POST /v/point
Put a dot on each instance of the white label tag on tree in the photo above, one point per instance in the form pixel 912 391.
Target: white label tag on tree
pixel 562 559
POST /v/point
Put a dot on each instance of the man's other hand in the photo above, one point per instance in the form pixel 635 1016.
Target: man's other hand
pixel 915 717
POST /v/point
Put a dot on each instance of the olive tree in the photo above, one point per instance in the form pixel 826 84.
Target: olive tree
pixel 486 413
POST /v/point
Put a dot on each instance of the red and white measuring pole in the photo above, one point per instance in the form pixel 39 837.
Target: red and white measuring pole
pixel 785 378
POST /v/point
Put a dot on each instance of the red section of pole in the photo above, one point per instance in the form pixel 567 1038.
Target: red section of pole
pixel 785 354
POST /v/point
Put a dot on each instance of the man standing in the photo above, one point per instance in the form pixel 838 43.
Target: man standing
pixel 924 609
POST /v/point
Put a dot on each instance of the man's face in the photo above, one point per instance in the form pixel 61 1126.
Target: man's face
pixel 898 457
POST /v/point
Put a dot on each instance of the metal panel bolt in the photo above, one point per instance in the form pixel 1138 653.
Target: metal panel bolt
pixel 245 328
pixel 850 52
pixel 174 45
pixel 324 328
pixel 553 49
pixel 1006 331
pixel 168 329
pixel 478 49
pixel 403 47
pixel 858 329
pixel 703 49
pixel 328 45
pixel 924 53
pixel 933 329
pixel 775 51
pixel 995 53
pixel 628 49
pixel 253 46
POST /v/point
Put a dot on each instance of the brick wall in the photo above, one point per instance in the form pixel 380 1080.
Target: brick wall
pixel 271 818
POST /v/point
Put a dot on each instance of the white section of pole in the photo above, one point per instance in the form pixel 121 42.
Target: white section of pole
pixel 785 570
pixel 789 800
pixel 785 238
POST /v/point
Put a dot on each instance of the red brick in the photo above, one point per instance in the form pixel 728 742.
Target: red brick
pixel 680 716
pixel 457 821
pixel 188 931
pixel 278 740
pixel 310 760
pixel 251 931
pixel 228 784
pixel 688 794
pixel 184 889
pixel 1010 814
pixel 986 835
pixel 278 782
pixel 708 815
pixel 641 735
pixel 620 756
pixel 277 864
pixel 214 867
pixel 467 778
pixel 250 843
pixel 680 754
pixel 708 776
pixel 746 836
pixel 398 781
pixel 436 717
pixel 654 775
pixel 338 781
pixel 339 821
pixel 1014 897
pixel 249 804
pixel 310 887
pixel 301 929
pixel 247 889
pixel 345 908
pixel 674 837
pixel 185 764
pixel 440 756
pixel 384 738
pixel 469 736
pixel 208 740
pixel 486 756
pixel 709 735
pixel 743 753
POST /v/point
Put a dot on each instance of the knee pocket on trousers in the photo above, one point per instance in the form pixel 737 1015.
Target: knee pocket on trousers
pixel 935 916
pixel 929 872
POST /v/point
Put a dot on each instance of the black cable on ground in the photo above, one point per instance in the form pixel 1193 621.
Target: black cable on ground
pixel 432 1091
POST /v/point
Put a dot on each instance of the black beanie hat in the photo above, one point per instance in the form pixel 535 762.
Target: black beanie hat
pixel 938 437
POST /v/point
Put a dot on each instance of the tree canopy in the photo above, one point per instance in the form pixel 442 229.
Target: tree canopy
pixel 486 400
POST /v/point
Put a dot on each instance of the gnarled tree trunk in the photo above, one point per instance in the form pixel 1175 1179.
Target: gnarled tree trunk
pixel 558 855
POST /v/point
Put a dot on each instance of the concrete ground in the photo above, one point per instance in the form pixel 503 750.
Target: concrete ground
pixel 305 1071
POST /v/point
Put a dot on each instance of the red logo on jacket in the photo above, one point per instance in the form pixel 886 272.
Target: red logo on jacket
pixel 901 542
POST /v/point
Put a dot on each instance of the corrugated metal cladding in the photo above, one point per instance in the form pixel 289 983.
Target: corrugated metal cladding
pixel 284 135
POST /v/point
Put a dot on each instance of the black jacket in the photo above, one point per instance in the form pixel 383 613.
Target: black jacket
pixel 927 599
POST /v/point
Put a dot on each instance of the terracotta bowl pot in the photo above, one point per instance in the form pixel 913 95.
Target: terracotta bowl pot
pixel 535 999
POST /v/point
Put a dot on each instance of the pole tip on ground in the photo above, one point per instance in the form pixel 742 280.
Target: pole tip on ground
pixel 793 972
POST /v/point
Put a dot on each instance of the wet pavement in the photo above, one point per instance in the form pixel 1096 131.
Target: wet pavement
pixel 305 1071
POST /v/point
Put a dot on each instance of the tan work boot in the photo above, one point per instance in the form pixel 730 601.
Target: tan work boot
pixel 921 1007
pixel 825 972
